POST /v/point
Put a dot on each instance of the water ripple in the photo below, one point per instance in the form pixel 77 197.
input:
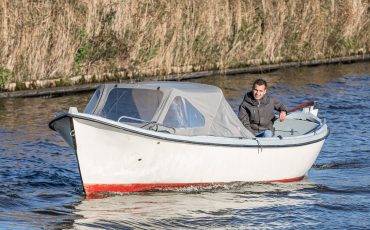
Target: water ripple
pixel 41 187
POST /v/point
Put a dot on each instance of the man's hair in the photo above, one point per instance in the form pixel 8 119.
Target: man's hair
pixel 260 82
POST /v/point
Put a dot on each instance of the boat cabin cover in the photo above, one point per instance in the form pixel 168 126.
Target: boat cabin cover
pixel 180 108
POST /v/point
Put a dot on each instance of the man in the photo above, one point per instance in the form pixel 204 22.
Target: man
pixel 256 112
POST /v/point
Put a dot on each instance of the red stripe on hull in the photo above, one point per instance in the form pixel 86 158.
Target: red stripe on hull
pixel 92 189
pixel 134 187
pixel 286 180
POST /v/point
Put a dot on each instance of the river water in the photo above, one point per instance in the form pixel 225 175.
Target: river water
pixel 40 186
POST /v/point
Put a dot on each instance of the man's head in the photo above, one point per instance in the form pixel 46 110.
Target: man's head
pixel 259 89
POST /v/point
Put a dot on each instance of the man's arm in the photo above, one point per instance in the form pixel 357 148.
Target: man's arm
pixel 279 106
pixel 244 118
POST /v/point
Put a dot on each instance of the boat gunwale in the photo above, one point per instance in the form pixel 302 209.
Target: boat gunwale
pixel 260 142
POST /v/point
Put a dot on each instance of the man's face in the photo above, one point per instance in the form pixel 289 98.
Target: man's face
pixel 259 91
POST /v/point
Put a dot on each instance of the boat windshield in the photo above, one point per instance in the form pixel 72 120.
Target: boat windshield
pixel 93 101
pixel 131 105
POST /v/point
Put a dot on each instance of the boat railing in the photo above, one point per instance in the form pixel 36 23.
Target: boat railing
pixel 150 125
pixel 131 118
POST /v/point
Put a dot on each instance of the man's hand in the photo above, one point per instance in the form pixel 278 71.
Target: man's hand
pixel 282 116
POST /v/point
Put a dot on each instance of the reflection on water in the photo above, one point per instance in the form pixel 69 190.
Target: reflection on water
pixel 22 113
pixel 41 185
pixel 235 205
pixel 234 86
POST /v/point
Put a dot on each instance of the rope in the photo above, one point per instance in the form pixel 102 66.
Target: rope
pixel 259 146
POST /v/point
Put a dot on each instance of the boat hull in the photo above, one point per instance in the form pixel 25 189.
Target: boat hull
pixel 112 159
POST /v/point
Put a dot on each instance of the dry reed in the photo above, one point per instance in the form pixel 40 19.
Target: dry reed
pixel 43 40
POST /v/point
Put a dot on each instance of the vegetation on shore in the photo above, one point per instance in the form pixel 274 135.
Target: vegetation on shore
pixel 53 43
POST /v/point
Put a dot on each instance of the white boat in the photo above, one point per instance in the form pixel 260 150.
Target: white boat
pixel 135 137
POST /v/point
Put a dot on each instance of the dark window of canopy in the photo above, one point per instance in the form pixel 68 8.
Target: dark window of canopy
pixel 131 105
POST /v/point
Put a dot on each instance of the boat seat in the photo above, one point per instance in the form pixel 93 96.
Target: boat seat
pixel 293 127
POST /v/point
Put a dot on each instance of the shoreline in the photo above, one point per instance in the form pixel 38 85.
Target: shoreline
pixel 65 90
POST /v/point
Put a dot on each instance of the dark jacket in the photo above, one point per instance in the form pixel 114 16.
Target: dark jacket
pixel 258 115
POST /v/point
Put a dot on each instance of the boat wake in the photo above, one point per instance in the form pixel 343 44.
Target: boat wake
pixel 257 188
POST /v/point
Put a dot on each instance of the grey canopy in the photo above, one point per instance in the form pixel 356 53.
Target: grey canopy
pixel 189 109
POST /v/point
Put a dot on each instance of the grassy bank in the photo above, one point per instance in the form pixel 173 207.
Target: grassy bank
pixel 53 43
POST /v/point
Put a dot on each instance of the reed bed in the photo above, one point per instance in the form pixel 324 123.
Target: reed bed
pixel 56 42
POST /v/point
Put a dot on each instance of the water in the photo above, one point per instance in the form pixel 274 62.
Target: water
pixel 40 186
